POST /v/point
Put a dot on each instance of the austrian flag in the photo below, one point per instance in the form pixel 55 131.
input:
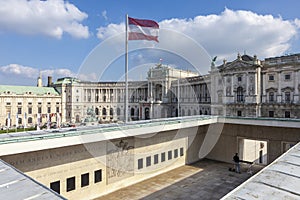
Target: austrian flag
pixel 142 29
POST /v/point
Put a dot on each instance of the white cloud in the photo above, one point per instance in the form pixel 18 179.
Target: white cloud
pixel 104 14
pixel 19 74
pixel 51 18
pixel 229 32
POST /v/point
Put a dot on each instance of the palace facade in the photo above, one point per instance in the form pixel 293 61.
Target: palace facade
pixel 246 87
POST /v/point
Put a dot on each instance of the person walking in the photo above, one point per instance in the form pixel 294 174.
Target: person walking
pixel 236 160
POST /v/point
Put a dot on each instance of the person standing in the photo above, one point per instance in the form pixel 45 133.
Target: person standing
pixel 236 160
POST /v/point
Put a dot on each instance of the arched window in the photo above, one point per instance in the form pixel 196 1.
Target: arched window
pixel 132 112
pixel 97 111
pixel 240 94
pixel 104 111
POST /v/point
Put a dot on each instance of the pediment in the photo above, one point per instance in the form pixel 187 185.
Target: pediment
pixel 237 65
pixel 271 89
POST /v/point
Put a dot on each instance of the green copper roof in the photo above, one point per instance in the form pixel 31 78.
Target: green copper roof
pixel 66 80
pixel 19 90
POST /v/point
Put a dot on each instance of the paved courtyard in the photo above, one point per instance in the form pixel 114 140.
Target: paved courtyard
pixel 205 179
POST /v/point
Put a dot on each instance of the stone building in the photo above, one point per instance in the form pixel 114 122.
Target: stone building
pixel 19 103
pixel 246 87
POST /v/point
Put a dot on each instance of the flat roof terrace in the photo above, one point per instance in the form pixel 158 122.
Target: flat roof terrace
pixel 47 139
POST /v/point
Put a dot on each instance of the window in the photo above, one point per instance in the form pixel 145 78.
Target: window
pixel 8 103
pixel 181 151
pixel 271 97
pixel 29 120
pixel 287 96
pixel 85 179
pixel 111 111
pixel 271 113
pixel 163 157
pixel 98 176
pixel 29 110
pixel 239 113
pixel 148 161
pixel 169 155
pixel 20 121
pixel 175 153
pixel 271 77
pixel 39 109
pixel 19 103
pixel 49 109
pixel 239 78
pixel 104 111
pixel 287 77
pixel 140 163
pixel 287 114
pixel 155 158
pixel 19 110
pixel 240 94
pixel 70 184
pixel 57 109
pixel 55 186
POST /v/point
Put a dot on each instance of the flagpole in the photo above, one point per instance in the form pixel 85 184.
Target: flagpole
pixel 126 72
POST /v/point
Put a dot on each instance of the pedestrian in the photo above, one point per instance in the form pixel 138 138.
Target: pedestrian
pixel 236 160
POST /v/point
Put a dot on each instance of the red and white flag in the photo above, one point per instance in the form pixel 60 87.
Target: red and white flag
pixel 142 29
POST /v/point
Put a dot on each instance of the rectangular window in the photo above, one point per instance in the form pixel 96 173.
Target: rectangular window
pixel 163 157
pixel 287 77
pixel 19 103
pixel 239 113
pixel 181 151
pixel 155 158
pixel 29 110
pixel 175 153
pixel 140 163
pixel 85 179
pixel 239 78
pixel 19 110
pixel 271 113
pixel 169 155
pixel 8 103
pixel 70 184
pixel 57 109
pixel 55 186
pixel 98 176
pixel 148 161
pixel 49 109
pixel 271 97
pixel 287 96
pixel 287 114
pixel 40 110
pixel 271 77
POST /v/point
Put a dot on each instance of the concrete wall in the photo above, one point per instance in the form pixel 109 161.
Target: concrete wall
pixel 119 160
pixel 227 144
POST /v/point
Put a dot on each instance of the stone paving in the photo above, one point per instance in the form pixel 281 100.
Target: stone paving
pixel 205 179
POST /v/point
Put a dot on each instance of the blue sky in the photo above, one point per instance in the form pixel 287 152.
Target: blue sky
pixel 56 37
